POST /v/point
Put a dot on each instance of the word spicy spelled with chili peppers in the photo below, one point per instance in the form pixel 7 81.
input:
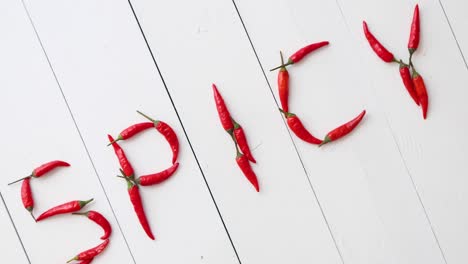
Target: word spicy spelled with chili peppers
pixel 128 173
pixel 293 121
pixel 65 208
pixel 412 80
pixel 244 155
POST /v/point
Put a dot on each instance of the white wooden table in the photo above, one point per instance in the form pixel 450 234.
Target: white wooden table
pixel 395 191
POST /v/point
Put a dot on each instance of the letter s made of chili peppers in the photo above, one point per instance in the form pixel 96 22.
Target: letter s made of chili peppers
pixel 27 197
pixel 99 219
pixel 91 253
pixel 123 161
pixel 223 112
pixel 246 169
pixel 299 130
pixel 378 48
pixel 420 88
pixel 155 178
pixel 135 198
pixel 344 129
pixel 65 208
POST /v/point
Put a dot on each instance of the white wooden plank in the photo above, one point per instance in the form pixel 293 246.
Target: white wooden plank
pixel 40 129
pixel 106 74
pixel 204 42
pixel 358 178
pixel 14 252
pixel 434 150
pixel 455 11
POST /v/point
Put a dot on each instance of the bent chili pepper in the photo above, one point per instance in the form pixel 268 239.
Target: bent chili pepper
pixel 283 85
pixel 27 197
pixel 300 54
pixel 299 130
pixel 408 82
pixel 343 130
pixel 69 207
pixel 135 198
pixel 43 169
pixel 421 91
pixel 132 131
pixel 156 178
pixel 223 112
pixel 91 253
pixel 100 220
pixel 241 140
pixel 246 169
pixel 413 41
pixel 168 133
pixel 123 161
pixel 378 48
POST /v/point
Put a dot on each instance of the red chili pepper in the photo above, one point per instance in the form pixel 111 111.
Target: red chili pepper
pixel 245 167
pixel 378 48
pixel 100 220
pixel 300 54
pixel 283 86
pixel 91 253
pixel 168 133
pixel 159 177
pixel 132 131
pixel 413 41
pixel 69 207
pixel 27 197
pixel 408 82
pixel 135 198
pixel 298 128
pixel 343 130
pixel 223 112
pixel 420 88
pixel 124 163
pixel 241 140
pixel 43 169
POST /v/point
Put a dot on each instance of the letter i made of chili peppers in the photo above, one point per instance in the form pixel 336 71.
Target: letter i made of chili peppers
pixel 44 169
pixel 99 219
pixel 421 91
pixel 223 112
pixel 296 126
pixel 135 199
pixel 241 140
pixel 378 48
pixel 90 254
pixel 123 161
pixel 132 131
pixel 283 85
pixel 413 41
pixel 168 133
pixel 407 81
pixel 301 53
pixel 70 207
pixel 27 196
pixel 344 129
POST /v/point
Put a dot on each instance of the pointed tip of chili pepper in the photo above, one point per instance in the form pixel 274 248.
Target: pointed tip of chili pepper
pixel 111 139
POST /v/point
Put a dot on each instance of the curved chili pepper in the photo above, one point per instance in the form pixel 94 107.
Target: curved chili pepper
pixel 43 169
pixel 421 91
pixel 156 178
pixel 100 220
pixel 241 140
pixel 300 54
pixel 69 207
pixel 124 163
pixel 283 85
pixel 135 198
pixel 27 197
pixel 168 133
pixel 246 169
pixel 299 130
pixel 223 112
pixel 378 48
pixel 413 41
pixel 343 130
pixel 91 253
pixel 408 82
pixel 132 131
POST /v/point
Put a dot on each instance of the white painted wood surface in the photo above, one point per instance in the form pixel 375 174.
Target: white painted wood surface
pixel 394 191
